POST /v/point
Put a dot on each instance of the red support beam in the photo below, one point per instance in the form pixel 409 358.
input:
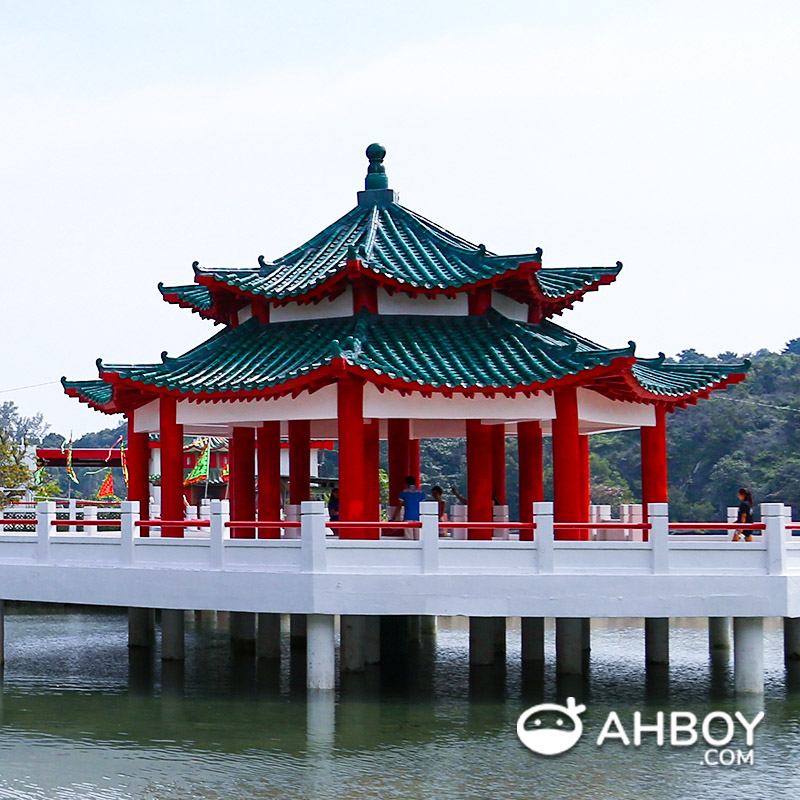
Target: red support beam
pixel 299 461
pixel 414 460
pixel 171 440
pixel 372 466
pixel 531 471
pixel 269 477
pixel 567 492
pixel 243 481
pixel 399 457
pixel 479 477
pixel 499 463
pixel 586 478
pixel 350 415
pixel 138 462
pixel 655 486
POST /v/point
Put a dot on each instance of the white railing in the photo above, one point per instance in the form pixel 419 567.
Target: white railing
pixel 317 549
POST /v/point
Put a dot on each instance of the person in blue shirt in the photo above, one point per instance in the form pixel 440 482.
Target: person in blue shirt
pixel 409 501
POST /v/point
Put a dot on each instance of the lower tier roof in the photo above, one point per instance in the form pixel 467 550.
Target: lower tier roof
pixel 485 354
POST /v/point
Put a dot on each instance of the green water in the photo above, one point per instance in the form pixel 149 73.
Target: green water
pixel 83 718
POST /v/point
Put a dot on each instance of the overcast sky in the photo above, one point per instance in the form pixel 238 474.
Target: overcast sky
pixel 138 137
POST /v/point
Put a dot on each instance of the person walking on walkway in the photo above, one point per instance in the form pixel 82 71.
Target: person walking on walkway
pixel 744 515
pixel 409 501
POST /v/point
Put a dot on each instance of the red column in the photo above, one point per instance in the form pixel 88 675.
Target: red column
pixel 372 467
pixel 243 481
pixel 171 435
pixel 399 456
pixel 414 462
pixel 479 477
pixel 137 458
pixel 499 463
pixel 531 471
pixel 352 490
pixel 299 461
pixel 269 477
pixel 654 461
pixel 567 492
pixel 586 478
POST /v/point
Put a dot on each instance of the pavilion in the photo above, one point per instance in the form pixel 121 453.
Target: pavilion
pixel 387 326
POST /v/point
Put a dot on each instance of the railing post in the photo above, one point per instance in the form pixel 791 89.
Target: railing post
pixel 220 514
pixel 128 517
pixel 658 517
pixel 89 512
pixel 544 536
pixel 429 536
pixel 45 514
pixel 773 515
pixel 312 536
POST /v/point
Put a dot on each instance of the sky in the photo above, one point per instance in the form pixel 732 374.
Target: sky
pixel 138 137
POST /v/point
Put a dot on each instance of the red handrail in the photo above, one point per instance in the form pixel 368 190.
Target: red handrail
pixel 274 524
pixel 173 523
pixel 792 526
pixel 86 522
pixel 637 526
pixel 379 525
pixel 526 526
pixel 717 526
pixel 31 521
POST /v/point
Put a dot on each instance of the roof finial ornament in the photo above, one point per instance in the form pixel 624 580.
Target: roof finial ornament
pixel 376 173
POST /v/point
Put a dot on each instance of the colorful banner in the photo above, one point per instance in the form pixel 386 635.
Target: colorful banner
pixel 107 489
pixel 199 472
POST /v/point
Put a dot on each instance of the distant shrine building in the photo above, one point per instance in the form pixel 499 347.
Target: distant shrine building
pixel 385 326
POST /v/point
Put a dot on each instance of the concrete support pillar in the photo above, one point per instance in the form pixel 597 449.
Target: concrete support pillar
pixel 500 637
pixel 299 461
pixel 297 630
pixel 414 629
pixel 172 634
pixel 567 492
pixel 171 451
pixel 748 655
pixel 656 640
pixel 352 651
pixel 372 639
pixel 791 639
pixel 481 640
pixel 531 471
pixel 141 627
pixel 479 477
pixel 428 625
pixel 586 635
pixel 532 638
pixel 569 646
pixel 719 633
pixel 269 477
pixel 243 631
pixel 269 636
pixel 321 653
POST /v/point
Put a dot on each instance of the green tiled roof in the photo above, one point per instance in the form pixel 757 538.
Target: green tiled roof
pixel 675 380
pixel 562 282
pixel 462 353
pixel 389 240
pixel 96 393
pixel 190 296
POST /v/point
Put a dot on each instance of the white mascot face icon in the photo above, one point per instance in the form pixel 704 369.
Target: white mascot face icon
pixel 550 729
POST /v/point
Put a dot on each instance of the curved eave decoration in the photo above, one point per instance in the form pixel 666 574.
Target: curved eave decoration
pixel 97 394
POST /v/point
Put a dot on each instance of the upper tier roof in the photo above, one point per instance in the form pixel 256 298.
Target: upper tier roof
pixel 398 249
pixel 483 354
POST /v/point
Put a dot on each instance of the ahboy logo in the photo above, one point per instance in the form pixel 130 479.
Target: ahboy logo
pixel 555 728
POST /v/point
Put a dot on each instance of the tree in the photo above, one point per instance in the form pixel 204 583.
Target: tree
pixel 17 434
